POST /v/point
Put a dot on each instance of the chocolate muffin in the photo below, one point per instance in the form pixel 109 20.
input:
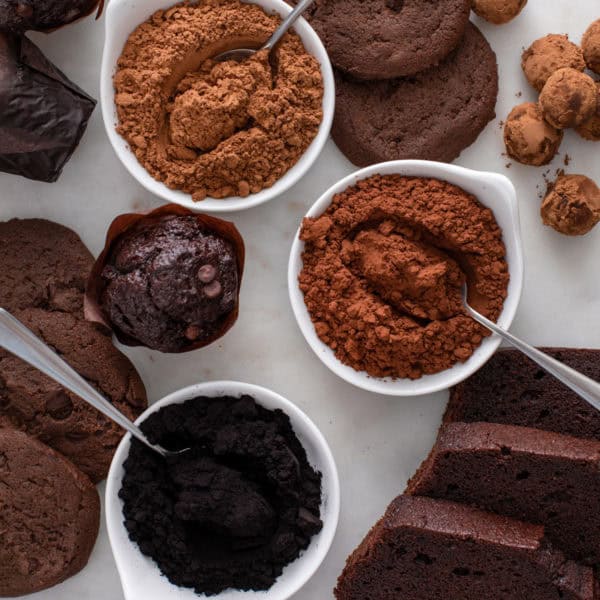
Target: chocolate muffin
pixel 512 389
pixel 169 281
pixel 49 516
pixel 536 476
pixel 425 549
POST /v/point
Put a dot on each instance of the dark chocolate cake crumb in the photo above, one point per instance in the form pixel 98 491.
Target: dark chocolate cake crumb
pixel 234 510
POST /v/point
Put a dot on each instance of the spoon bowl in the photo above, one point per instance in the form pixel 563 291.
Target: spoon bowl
pixel 141 577
pixel 238 54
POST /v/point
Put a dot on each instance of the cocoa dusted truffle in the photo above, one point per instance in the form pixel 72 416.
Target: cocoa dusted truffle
pixel 548 54
pixel 590 129
pixel 572 206
pixel 498 11
pixel 568 99
pixel 591 46
pixel 529 139
pixel 169 282
pixel 43 115
pixel 43 15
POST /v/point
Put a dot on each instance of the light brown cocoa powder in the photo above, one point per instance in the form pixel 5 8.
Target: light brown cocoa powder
pixel 383 269
pixel 216 129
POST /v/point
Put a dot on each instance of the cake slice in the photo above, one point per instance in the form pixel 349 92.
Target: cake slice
pixel 425 549
pixel 512 389
pixel 524 473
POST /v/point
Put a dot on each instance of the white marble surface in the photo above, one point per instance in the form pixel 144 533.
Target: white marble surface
pixel 377 441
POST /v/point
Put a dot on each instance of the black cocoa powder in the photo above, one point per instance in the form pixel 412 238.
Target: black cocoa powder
pixel 232 512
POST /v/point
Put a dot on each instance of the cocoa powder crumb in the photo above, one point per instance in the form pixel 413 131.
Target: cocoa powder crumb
pixel 216 129
pixel 383 269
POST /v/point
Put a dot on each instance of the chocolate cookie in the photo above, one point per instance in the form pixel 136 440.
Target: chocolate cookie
pixel 434 115
pixel 377 39
pixel 43 264
pixel 34 403
pixel 49 516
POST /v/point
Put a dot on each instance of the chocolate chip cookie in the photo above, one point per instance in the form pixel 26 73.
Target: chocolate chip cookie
pixel 32 402
pixel 44 264
pixel 381 39
pixel 434 115
pixel 49 516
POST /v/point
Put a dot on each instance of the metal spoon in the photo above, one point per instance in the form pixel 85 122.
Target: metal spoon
pixel 240 54
pixel 585 387
pixel 20 341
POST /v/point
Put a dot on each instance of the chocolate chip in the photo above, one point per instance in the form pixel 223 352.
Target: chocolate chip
pixel 59 406
pixel 213 289
pixel 24 10
pixel 206 273
pixel 192 332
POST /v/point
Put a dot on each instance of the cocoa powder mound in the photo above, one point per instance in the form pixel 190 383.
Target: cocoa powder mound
pixel 383 269
pixel 216 129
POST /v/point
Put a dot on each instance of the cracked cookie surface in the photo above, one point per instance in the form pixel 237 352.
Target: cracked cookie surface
pixel 32 402
pixel 49 516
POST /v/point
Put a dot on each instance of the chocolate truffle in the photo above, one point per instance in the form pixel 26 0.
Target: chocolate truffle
pixel 169 281
pixel 568 99
pixel 591 46
pixel 529 139
pixel 548 54
pixel 572 206
pixel 590 129
pixel 498 11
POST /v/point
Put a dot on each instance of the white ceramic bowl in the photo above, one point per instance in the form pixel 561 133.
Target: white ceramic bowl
pixel 494 191
pixel 140 576
pixel 122 17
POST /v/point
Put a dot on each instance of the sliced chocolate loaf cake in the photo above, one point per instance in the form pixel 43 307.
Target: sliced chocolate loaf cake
pixel 528 474
pixel 424 549
pixel 512 389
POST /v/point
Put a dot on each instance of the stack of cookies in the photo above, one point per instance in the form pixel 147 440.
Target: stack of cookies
pixel 53 446
pixel 414 78
pixel 506 503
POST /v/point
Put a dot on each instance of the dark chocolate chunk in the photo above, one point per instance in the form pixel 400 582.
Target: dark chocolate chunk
pixel 44 15
pixel 43 115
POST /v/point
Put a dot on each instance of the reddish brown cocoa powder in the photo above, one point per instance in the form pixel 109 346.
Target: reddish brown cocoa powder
pixel 383 267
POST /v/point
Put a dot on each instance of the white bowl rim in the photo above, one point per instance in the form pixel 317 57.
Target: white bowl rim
pixel 331 502
pixel 213 205
pixel 427 384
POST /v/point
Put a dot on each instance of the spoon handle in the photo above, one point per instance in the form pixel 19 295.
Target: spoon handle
pixel 20 341
pixel 287 23
pixel 587 388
